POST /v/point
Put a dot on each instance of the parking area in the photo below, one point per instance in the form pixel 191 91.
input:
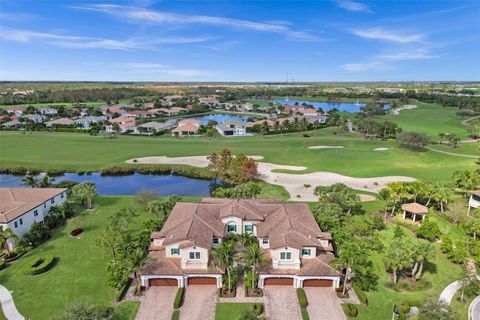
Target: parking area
pixel 281 302
pixel 157 303
pixel 199 303
pixel 323 304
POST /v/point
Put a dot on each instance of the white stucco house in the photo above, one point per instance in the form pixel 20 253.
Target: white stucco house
pixel 474 201
pixel 20 208
pixel 232 128
pixel 297 251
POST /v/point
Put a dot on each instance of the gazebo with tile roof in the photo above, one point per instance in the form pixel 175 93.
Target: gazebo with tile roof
pixel 414 209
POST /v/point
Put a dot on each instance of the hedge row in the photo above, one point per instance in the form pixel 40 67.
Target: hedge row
pixel 302 298
pixel 119 294
pixel 176 314
pixel 304 314
pixel 177 303
pixel 361 295
pixel 39 265
pixel 21 171
pixel 158 170
pixel 350 310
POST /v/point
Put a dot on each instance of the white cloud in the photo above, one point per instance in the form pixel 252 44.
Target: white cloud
pixel 388 35
pixel 419 54
pixel 354 6
pixel 373 66
pixel 162 69
pixel 147 16
pixel 85 42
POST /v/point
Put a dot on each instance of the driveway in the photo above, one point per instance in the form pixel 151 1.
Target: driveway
pixel 199 303
pixel 323 304
pixel 281 303
pixel 157 304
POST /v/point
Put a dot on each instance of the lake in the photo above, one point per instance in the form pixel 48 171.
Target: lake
pixel 326 106
pixel 129 185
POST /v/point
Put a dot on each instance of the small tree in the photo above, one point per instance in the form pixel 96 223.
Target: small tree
pixel 86 311
pixel 86 191
pixel 429 230
pixel 434 309
pixel 413 140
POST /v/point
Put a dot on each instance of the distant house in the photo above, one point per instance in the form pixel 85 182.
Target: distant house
pixel 232 128
pixel 168 112
pixel 412 210
pixel 108 110
pixel 36 118
pixel 209 100
pixel 269 123
pixel 474 201
pixel 138 114
pixel 48 111
pixel 18 111
pixel 291 108
pixel 20 208
pixel 309 112
pixel 245 107
pixel 120 120
pixel 186 127
pixel 157 126
pixel 86 122
pixel 60 122
pixel 14 124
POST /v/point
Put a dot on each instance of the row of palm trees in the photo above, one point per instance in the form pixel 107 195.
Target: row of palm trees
pixel 417 191
pixel 238 249
pixel 33 182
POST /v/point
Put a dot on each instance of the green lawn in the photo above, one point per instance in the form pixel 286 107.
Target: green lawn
pixel 429 118
pixel 80 273
pixel 358 158
pixel 438 274
pixel 229 311
pixel 126 310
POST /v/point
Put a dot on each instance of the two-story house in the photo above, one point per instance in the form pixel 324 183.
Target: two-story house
pixel 232 128
pixel 297 251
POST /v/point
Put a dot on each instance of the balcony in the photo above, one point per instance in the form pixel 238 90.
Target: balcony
pixel 194 264
pixel 285 264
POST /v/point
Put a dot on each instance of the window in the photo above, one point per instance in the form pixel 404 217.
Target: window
pixel 21 221
pixel 16 224
pixel 62 195
pixel 52 201
pixel 194 255
pixel 174 251
pixel 215 240
pixel 306 252
pixel 249 228
pixel 35 213
pixel 265 241
pixel 285 255
pixel 231 228
pixel 44 204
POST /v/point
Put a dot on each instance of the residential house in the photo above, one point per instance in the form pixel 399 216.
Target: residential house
pixel 125 124
pixel 246 107
pixel 211 101
pixel 292 109
pixel 86 122
pixel 296 250
pixel 172 111
pixel 231 128
pixel 186 127
pixel 20 208
pixel 48 111
pixel 138 114
pixel 36 118
pixel 309 112
pixel 60 122
pixel 474 201
pixel 14 124
pixel 157 126
pixel 18 111
pixel 109 110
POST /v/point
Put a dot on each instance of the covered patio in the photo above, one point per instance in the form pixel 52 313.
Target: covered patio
pixel 414 211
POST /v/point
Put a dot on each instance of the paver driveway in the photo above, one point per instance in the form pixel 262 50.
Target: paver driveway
pixel 323 304
pixel 199 303
pixel 157 304
pixel 281 303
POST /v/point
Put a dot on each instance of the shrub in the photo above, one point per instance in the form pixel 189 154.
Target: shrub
pixel 176 315
pixel 304 314
pixel 257 308
pixel 247 315
pixel 302 298
pixel 428 230
pixel 119 294
pixel 39 265
pixel 350 310
pixel 177 303
pixel 3 264
pixel 361 295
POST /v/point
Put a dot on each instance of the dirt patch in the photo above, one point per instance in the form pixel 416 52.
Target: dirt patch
pixel 396 111
pixel 325 147
pixel 380 149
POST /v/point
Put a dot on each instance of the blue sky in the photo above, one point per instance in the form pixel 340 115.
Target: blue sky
pixel 239 40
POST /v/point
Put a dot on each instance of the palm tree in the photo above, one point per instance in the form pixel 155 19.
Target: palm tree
pixel 395 193
pixel 6 235
pixel 348 254
pixel 46 182
pixel 254 257
pixel 384 195
pixel 135 262
pixel 86 191
pixel 442 194
pixel 223 257
pixel 423 251
pixel 30 181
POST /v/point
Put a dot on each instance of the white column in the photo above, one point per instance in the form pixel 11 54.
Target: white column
pixel 423 217
pixel 414 217
pixel 404 213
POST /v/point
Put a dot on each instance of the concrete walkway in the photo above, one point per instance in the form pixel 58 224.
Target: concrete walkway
pixel 454 154
pixel 474 309
pixel 8 306
pixel 450 290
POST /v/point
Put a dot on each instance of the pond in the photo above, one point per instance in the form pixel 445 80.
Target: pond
pixel 129 185
pixel 218 118
pixel 326 106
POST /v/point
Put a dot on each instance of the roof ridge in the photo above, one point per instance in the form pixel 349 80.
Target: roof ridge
pixel 205 223
pixel 191 223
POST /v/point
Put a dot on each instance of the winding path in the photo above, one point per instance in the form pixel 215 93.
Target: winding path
pixel 8 306
pixel 454 154
pixel 474 309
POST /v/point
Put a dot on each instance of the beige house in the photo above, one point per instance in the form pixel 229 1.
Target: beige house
pixel 186 127
pixel 297 251
pixel 414 211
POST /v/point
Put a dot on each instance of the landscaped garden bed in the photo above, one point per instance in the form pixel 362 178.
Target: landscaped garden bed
pixel 40 265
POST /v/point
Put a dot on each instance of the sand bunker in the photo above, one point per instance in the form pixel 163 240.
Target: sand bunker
pixel 380 149
pixel 294 183
pixel 325 147
pixel 396 111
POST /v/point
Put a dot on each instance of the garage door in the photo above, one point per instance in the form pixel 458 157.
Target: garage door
pixel 163 282
pixel 202 281
pixel 278 282
pixel 317 283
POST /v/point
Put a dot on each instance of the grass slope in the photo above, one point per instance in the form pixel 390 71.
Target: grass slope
pixel 358 159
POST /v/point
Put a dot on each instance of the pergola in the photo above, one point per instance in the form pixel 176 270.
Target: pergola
pixel 414 209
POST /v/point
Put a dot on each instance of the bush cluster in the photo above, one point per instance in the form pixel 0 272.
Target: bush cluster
pixel 361 295
pixel 39 265
pixel 350 310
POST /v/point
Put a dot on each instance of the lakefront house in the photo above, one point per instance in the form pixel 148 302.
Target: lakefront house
pixel 296 250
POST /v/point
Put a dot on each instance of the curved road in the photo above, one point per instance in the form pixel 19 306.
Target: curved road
pixel 474 309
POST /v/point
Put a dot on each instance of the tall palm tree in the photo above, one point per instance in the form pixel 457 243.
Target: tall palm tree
pixel 443 194
pixel 30 181
pixel 254 258
pixel 46 182
pixel 385 195
pixel 135 262
pixel 86 191
pixel 348 254
pixel 6 235
pixel 223 257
